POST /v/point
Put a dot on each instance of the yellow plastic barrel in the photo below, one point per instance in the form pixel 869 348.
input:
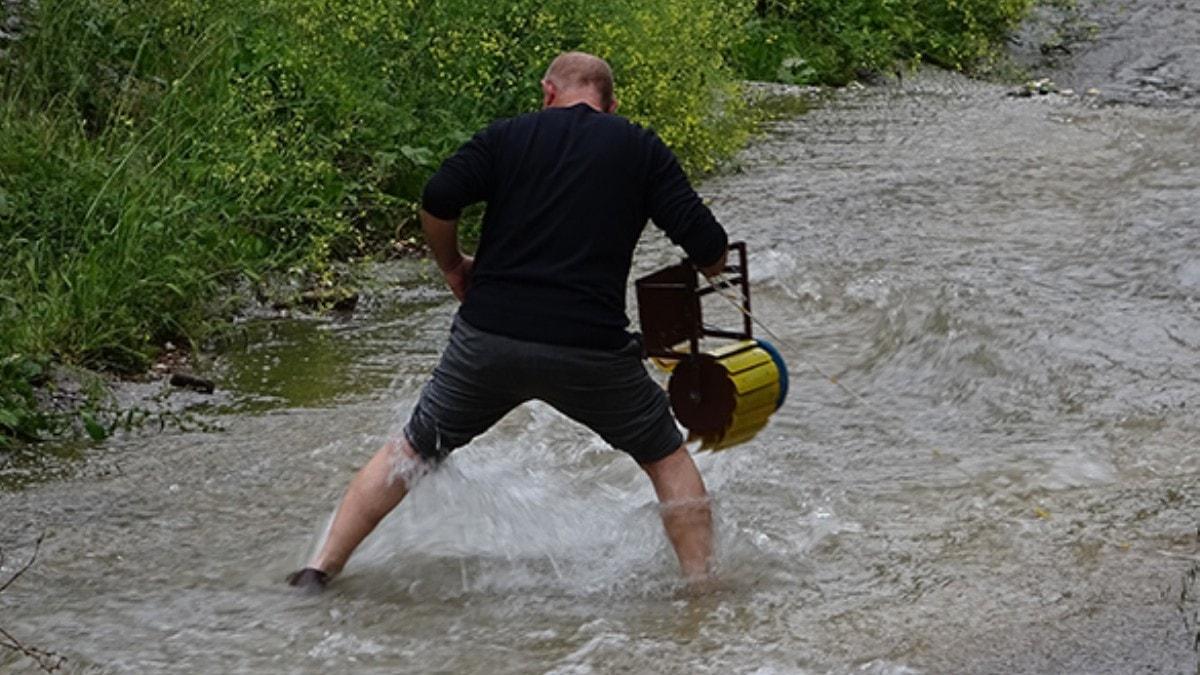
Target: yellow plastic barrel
pixel 726 396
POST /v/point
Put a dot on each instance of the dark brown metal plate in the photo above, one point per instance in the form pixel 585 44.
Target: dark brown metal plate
pixel 668 308
pixel 702 395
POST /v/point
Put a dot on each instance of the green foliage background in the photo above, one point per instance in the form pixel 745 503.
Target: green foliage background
pixel 154 151
pixel 836 41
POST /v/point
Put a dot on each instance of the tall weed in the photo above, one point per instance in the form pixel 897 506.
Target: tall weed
pixel 835 41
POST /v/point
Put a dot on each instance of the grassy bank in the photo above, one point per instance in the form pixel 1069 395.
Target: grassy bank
pixel 152 152
pixel 836 41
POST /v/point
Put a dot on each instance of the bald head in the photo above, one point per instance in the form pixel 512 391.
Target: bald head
pixel 578 77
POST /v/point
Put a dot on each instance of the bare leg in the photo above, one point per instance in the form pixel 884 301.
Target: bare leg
pixel 375 490
pixel 686 512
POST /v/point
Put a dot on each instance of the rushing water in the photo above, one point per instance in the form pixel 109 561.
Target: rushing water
pixel 1012 285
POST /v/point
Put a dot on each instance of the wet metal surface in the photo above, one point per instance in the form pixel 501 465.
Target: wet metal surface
pixel 1014 282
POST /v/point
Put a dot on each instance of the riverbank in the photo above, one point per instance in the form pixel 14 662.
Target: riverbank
pixel 154 156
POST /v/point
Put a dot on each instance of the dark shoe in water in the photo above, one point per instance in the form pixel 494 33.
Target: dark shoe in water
pixel 309 580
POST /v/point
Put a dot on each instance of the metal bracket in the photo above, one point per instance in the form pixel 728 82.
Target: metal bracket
pixel 670 310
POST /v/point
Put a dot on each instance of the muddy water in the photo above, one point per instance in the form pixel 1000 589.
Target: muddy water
pixel 1012 285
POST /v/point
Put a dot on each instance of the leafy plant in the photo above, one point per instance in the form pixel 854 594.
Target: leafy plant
pixel 19 417
pixel 835 41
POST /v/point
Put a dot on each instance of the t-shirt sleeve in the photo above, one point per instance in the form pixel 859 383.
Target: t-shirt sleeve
pixel 465 177
pixel 678 211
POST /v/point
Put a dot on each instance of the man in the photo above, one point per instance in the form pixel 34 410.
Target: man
pixel 568 192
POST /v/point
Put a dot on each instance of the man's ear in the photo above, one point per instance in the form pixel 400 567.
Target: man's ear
pixel 612 107
pixel 549 93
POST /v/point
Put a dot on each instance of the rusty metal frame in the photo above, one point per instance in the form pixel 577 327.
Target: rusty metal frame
pixel 670 309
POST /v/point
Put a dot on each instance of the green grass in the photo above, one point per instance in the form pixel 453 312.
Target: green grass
pixel 836 41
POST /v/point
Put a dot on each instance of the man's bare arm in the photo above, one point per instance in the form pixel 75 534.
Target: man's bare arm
pixel 442 237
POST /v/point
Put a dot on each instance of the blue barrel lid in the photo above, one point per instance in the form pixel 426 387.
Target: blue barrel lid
pixel 779 364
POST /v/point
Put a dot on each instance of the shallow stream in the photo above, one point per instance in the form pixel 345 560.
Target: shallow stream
pixel 1013 284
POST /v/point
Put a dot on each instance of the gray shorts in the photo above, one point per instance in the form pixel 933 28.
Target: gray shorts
pixel 482 376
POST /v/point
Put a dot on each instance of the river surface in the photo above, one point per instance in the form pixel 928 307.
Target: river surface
pixel 1012 285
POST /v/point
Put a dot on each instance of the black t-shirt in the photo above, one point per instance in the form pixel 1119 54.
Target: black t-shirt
pixel 568 192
